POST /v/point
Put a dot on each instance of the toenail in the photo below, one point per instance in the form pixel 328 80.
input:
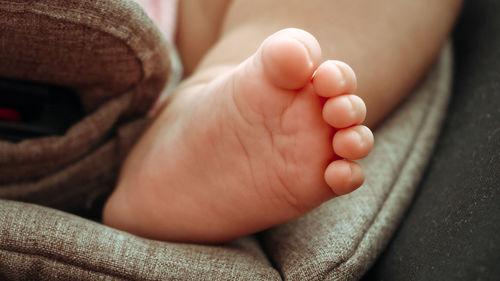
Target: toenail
pixel 358 108
pixel 277 45
pixel 308 51
pixel 340 79
pixel 329 80
pixel 347 75
pixel 355 143
pixel 352 106
pixel 358 136
pixel 287 62
pixel 351 109
pixel 365 135
pixel 339 72
pixel 357 175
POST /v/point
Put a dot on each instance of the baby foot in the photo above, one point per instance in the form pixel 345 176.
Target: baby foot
pixel 259 144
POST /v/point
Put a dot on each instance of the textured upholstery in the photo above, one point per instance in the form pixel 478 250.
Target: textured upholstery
pixel 337 241
pixel 38 243
pixel 342 238
pixel 116 60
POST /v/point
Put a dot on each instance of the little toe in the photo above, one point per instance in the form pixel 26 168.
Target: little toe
pixel 353 143
pixel 344 111
pixel 289 58
pixel 333 78
pixel 344 176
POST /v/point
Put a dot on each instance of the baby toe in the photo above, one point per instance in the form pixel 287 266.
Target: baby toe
pixel 344 111
pixel 333 78
pixel 344 176
pixel 353 143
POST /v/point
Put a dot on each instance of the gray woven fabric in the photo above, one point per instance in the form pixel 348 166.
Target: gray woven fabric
pixel 38 243
pixel 112 54
pixel 337 241
pixel 115 59
pixel 341 239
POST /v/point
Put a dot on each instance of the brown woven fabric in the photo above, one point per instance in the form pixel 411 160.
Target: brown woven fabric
pixel 116 60
pixel 112 54
pixel 38 243
pixel 100 48
pixel 341 239
pixel 338 241
pixel 33 158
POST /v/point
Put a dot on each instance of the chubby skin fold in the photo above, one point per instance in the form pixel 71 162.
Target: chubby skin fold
pixel 242 148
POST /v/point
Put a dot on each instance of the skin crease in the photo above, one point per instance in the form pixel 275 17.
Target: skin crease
pixel 161 178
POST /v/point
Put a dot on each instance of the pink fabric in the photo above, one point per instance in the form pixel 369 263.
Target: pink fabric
pixel 163 13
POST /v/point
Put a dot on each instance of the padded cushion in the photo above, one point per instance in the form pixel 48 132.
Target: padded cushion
pixel 342 238
pixel 337 241
pixel 451 232
pixel 116 60
pixel 38 243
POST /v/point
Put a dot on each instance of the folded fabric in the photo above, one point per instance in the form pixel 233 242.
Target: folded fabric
pixel 342 238
pixel 39 243
pixel 115 59
pixel 338 241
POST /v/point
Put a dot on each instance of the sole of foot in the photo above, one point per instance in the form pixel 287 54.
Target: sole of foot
pixel 257 145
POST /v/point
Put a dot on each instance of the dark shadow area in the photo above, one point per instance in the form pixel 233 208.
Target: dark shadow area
pixel 31 110
pixel 452 229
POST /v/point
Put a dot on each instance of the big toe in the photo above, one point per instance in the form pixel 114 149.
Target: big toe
pixel 290 57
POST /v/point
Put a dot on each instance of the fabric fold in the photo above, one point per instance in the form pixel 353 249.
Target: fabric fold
pixel 342 238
